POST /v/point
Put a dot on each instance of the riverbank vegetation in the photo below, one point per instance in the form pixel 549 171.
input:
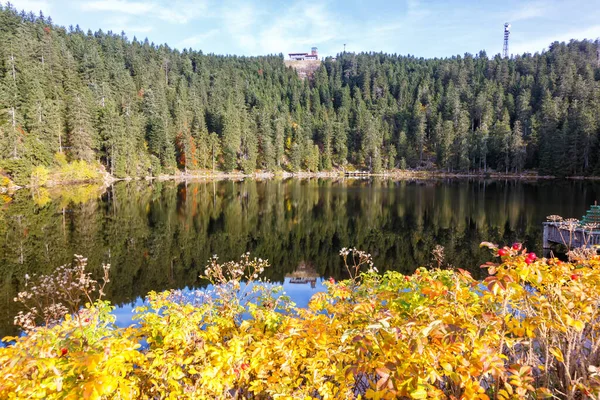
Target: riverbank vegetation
pixel 528 330
pixel 140 109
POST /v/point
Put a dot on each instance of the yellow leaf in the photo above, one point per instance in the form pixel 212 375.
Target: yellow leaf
pixel 578 325
pixel 524 273
pixel 557 353
pixel 107 386
pixel 89 391
pixel 569 320
pixel 419 394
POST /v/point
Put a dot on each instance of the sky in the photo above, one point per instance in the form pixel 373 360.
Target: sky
pixel 424 28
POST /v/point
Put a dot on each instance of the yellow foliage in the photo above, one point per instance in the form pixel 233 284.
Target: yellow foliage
pixel 78 171
pixel 530 329
pixel 77 194
pixel 39 175
pixel 5 181
pixel 60 159
pixel 41 197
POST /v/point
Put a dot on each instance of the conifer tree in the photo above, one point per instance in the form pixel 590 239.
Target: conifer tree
pixel 82 138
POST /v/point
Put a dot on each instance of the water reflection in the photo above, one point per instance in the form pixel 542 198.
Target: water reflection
pixel 158 235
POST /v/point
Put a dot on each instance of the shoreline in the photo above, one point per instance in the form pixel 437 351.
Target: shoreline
pixel 394 174
pixel 108 179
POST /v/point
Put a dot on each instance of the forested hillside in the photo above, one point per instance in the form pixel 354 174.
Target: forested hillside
pixel 143 109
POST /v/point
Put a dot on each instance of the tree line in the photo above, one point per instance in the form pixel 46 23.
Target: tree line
pixel 143 109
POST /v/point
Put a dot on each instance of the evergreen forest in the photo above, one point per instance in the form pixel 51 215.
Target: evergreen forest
pixel 137 108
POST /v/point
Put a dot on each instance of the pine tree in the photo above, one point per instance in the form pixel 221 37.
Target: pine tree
pixel 82 138
pixel 112 134
pixel 419 119
pixel 10 103
pixel 482 145
pixel 517 148
pixel 340 139
pixel 502 137
pixel 549 140
pixel 215 148
pixel 371 146
pixel 279 144
pixel 232 136
pixel 445 145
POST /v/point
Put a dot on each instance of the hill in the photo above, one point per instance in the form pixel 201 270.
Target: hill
pixel 142 109
pixel 304 68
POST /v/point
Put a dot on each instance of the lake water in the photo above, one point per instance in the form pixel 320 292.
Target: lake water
pixel 159 235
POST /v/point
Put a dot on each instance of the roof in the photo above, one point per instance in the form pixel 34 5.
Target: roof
pixel 297 54
pixel 592 216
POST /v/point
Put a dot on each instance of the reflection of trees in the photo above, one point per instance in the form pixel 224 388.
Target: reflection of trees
pixel 159 235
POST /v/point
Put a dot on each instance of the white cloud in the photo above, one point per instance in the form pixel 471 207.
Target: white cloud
pixel 177 12
pixel 33 5
pixel 304 24
pixel 182 12
pixel 138 29
pixel 241 17
pixel 299 27
pixel 118 23
pixel 531 10
pixel 241 20
pixel 120 6
pixel 196 41
pixel 539 44
pixel 417 9
pixel 386 28
pixel 388 33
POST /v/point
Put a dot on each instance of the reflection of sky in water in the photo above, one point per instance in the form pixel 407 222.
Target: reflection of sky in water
pixel 299 293
pixel 124 313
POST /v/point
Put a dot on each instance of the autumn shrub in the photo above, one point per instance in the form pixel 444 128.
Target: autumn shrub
pixel 529 330
pixel 40 196
pixel 39 176
pixel 78 171
pixel 6 185
pixel 60 159
pixel 49 298
pixel 4 181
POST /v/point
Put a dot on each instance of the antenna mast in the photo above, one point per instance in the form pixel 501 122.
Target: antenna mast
pixel 506 34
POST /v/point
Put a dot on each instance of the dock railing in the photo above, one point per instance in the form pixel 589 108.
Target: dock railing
pixel 570 233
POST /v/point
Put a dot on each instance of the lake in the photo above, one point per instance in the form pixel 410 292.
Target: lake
pixel 159 235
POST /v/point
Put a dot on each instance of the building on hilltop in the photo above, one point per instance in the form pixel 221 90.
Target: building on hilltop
pixel 314 55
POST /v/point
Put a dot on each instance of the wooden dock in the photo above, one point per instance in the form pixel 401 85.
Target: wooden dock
pixel 357 173
pixel 572 238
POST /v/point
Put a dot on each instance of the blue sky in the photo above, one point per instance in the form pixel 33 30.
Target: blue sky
pixel 427 28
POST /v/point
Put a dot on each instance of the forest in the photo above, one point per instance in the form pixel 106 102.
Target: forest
pixel 135 108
